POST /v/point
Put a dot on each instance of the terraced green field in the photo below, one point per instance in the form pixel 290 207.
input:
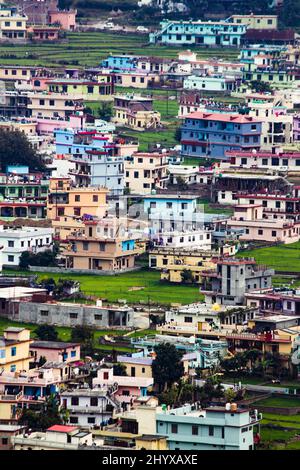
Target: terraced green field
pixel 87 49
pixel 280 257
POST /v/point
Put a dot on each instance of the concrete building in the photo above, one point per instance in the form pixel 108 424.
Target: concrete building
pixel 129 389
pixel 210 135
pixel 64 314
pixel 145 172
pixel 233 278
pixel 57 437
pixel 65 18
pixel 55 351
pixel 249 217
pixel 17 240
pixel 135 112
pixel 12 24
pixel 256 21
pixel 14 350
pixel 103 245
pixel 201 33
pixel 90 407
pixel 214 428
pixel 99 160
pixel 7 432
pixel 53 105
pixel 137 366
pixel 209 83
pixel 99 89
pixel 68 205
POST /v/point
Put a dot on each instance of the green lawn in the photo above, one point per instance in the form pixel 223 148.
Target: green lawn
pixel 166 137
pixel 280 257
pixel 117 287
pixel 278 402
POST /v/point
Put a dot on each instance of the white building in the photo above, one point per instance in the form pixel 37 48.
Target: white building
pixel 17 240
pixel 209 83
pixel 198 239
pixel 89 407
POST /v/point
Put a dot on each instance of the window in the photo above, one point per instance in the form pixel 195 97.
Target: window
pixel 11 243
pixel 77 198
pixel 260 231
pixel 188 319
pixel 73 353
pixel 288 306
pixel 210 430
pixel 95 198
pixel 73 420
pixel 195 430
pixel 73 315
pixel 94 401
pixel 91 420
pixel 274 233
pixel 52 103
pixel 4 441
pixel 13 368
pixel 174 428
pixel 98 317
pixel 44 313
pixel 85 246
pixel 11 258
pixel 74 401
pixel 2 353
pixel 13 351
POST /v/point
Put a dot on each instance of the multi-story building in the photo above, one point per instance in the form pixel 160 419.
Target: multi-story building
pixel 14 350
pixel 249 217
pixel 23 195
pixel 201 33
pixel 12 24
pixel 19 239
pixel 275 206
pixel 256 21
pixel 99 161
pixel 214 428
pixel 65 18
pixel 90 407
pixel 128 389
pixel 55 351
pixel 104 244
pixel 145 172
pixel 53 105
pixel 7 432
pixel 232 278
pixel 212 134
pixel 137 366
pixel 136 79
pixel 209 83
pixel 89 90
pixel 173 263
pixel 68 205
pixel 135 112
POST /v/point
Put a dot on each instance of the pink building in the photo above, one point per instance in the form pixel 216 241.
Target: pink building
pixel 55 351
pixel 48 125
pixel 249 217
pixel 128 389
pixel 66 18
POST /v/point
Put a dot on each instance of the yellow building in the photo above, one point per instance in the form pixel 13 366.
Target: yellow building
pixel 135 112
pixel 146 171
pixel 67 205
pixel 151 442
pixel 137 366
pixel 16 72
pixel 88 90
pixel 256 21
pixel 172 262
pixel 53 105
pixel 12 24
pixel 14 350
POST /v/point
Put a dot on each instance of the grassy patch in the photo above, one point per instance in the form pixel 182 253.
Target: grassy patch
pixel 117 287
pixel 280 257
pixel 280 402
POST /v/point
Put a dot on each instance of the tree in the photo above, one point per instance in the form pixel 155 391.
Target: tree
pixel 187 276
pixel 44 258
pixel 105 112
pixel 49 415
pixel 85 336
pixel 252 355
pixel 46 333
pixel 119 369
pixel 177 134
pixel 230 395
pixel 167 367
pixel 181 184
pixel 260 87
pixel 15 149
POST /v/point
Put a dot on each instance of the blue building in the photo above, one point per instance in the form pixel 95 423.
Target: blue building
pixel 95 156
pixel 210 135
pixel 119 62
pixel 214 428
pixel 201 33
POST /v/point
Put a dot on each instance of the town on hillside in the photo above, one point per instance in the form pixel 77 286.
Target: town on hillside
pixel 149 226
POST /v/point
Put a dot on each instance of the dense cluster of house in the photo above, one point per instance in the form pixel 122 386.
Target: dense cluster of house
pixel 102 201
